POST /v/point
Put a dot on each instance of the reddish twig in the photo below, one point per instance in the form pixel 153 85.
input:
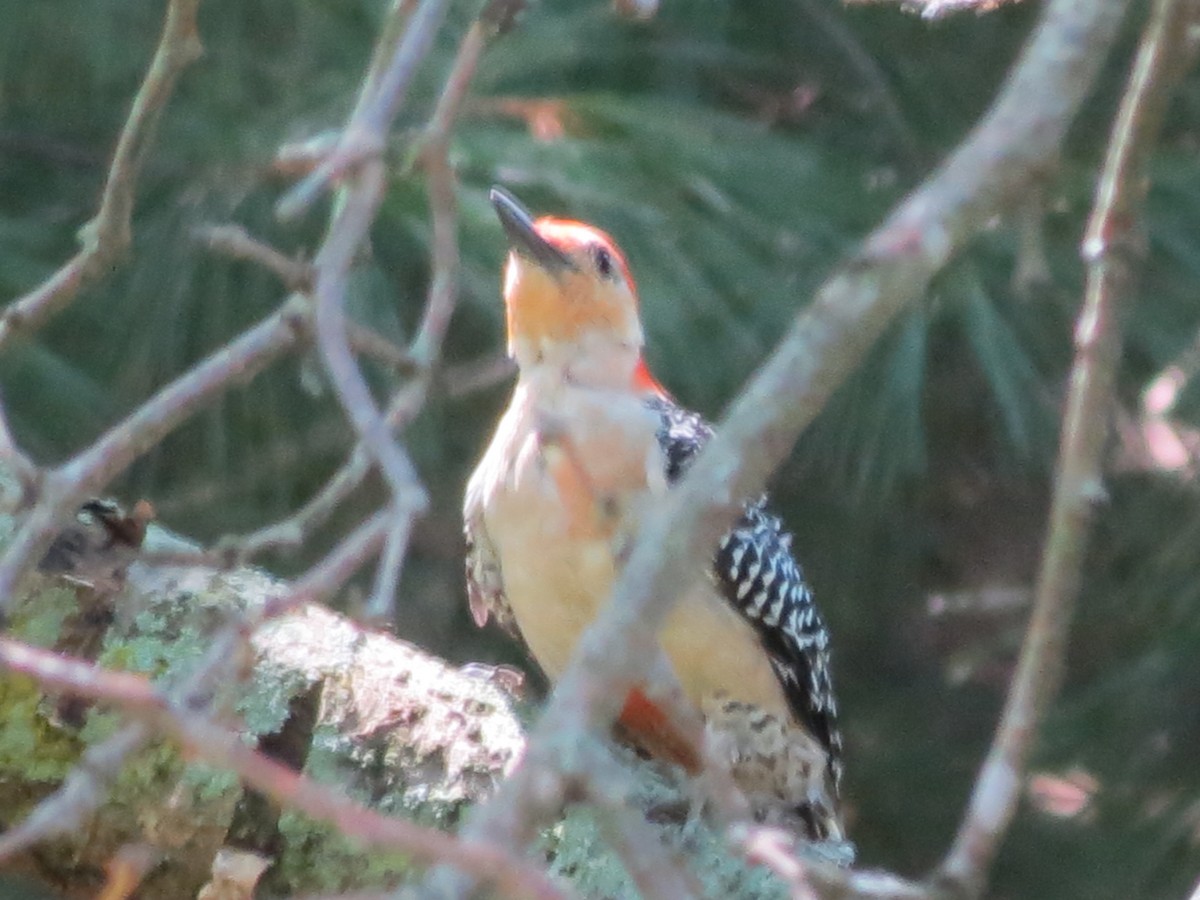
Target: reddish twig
pixel 86 787
pixel 1111 248
pixel 106 238
pixel 126 870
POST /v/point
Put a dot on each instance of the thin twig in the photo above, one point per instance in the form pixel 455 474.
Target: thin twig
pixel 293 531
pixel 66 487
pixel 408 495
pixel 106 238
pixel 296 275
pixel 332 265
pixel 1112 247
pixel 477 375
pixel 327 577
pixel 380 608
pixel 435 155
pixel 358 204
pixel 235 242
pixel 369 342
pixel 443 289
pixel 1016 142
pixel 24 469
pixel 383 93
pixel 85 789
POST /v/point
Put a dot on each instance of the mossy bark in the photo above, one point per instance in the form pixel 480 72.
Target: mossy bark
pixel 395 727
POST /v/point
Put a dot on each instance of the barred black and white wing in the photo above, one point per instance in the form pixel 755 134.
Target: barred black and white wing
pixel 761 579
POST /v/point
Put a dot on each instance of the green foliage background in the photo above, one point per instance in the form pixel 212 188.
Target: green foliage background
pixel 736 150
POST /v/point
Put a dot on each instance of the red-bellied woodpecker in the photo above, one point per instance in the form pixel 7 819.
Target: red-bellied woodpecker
pixel 588 441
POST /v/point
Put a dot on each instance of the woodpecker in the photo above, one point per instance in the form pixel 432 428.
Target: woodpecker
pixel 589 441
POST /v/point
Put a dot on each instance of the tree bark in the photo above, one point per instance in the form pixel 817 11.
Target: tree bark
pixel 395 727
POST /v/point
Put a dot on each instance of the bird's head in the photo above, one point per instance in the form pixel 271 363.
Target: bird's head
pixel 567 288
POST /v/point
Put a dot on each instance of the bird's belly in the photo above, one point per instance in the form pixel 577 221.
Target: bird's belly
pixel 554 585
pixel 555 588
pixel 717 655
pixel 564 504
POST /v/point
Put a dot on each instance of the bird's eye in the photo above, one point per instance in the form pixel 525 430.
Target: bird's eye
pixel 604 262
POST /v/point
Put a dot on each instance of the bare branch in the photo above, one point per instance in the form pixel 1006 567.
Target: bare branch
pixel 327 577
pixel 1016 143
pixel 378 105
pixel 381 605
pixel 363 135
pixel 107 237
pixel 477 375
pixel 27 473
pixel 1112 247
pixel 297 276
pixel 382 95
pixel 237 243
pixel 443 289
pixel 64 488
pixel 291 532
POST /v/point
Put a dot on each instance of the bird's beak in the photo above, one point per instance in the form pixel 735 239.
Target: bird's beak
pixel 523 237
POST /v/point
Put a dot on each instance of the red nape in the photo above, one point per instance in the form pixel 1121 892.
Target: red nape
pixel 644 381
pixel 649 727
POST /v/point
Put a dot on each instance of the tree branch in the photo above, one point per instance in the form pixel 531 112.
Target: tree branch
pixel 106 238
pixel 1112 247
pixel 65 488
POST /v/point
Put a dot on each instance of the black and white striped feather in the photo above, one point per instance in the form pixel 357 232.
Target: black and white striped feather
pixel 761 579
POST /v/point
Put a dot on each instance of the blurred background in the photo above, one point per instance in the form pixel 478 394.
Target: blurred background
pixel 736 151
